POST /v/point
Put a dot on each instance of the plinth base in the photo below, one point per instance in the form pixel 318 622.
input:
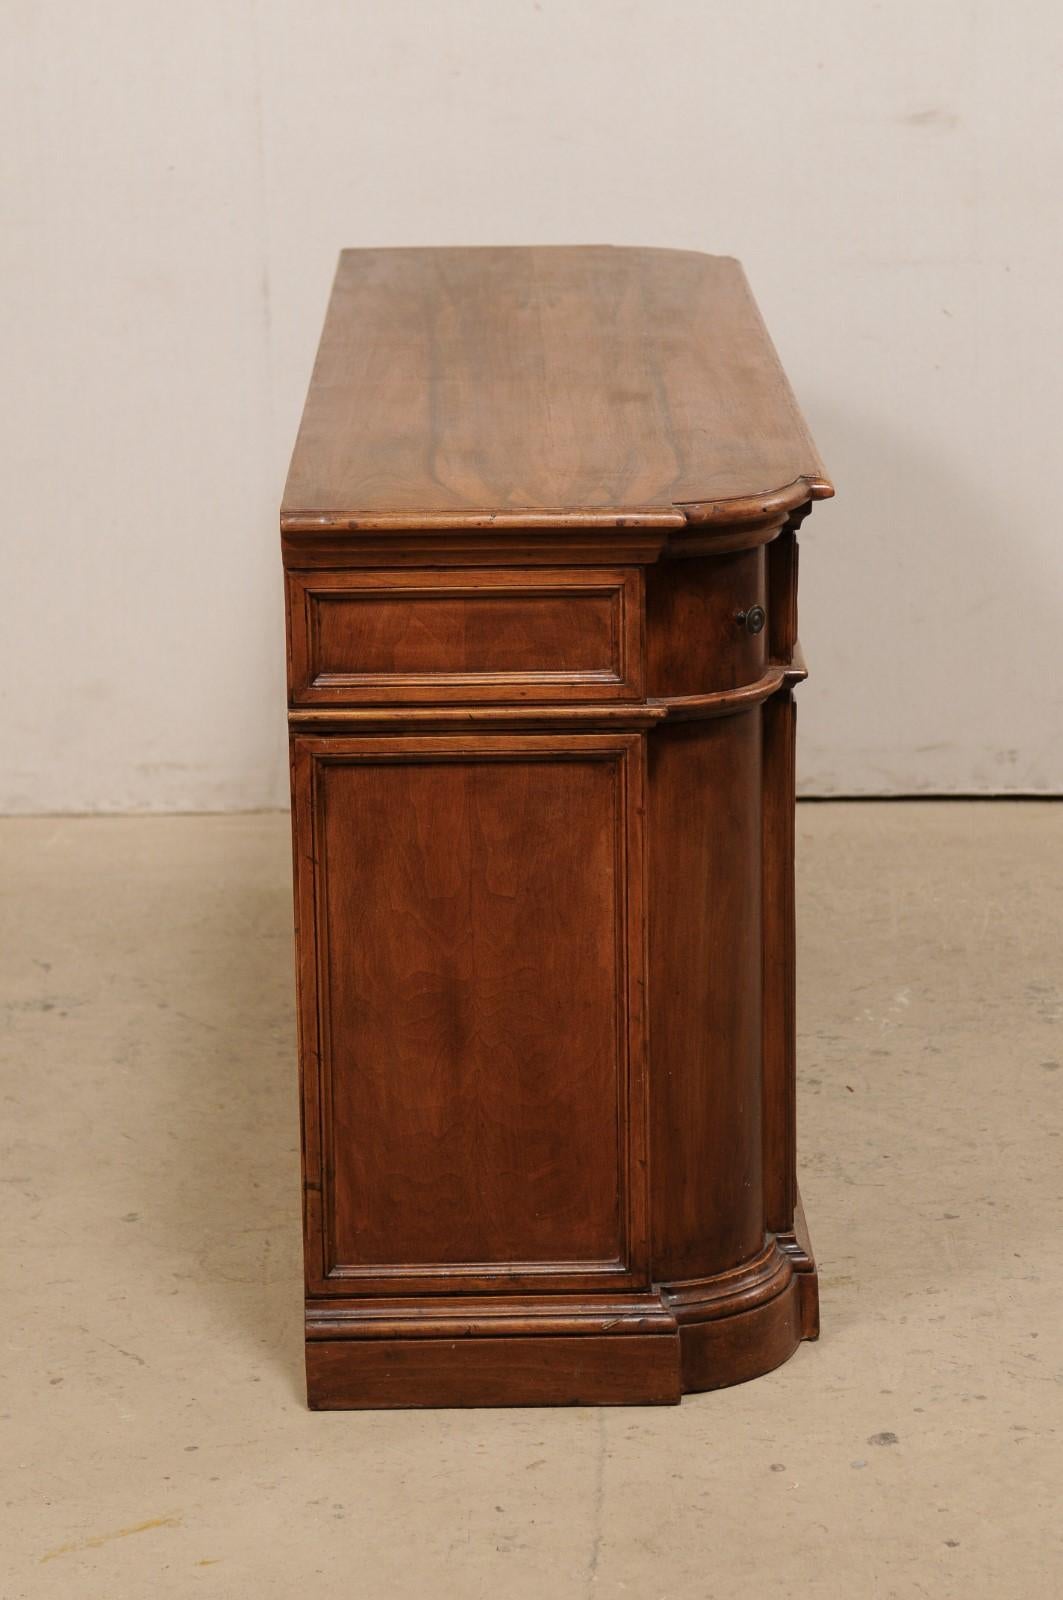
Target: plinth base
pixel 648 1349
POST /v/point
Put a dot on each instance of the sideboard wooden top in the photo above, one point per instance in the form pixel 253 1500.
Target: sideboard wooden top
pixel 565 386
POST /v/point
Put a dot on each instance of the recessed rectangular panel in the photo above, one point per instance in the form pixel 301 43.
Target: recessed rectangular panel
pixel 466 631
pixel 384 637
pixel 473 971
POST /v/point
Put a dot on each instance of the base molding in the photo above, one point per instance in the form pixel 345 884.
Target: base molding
pixel 649 1348
pixel 529 1370
pixel 721 1351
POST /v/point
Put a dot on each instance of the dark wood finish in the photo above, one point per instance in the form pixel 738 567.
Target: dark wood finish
pixel 497 635
pixel 590 1370
pixel 543 789
pixel 779 972
pixel 705 994
pixel 692 638
pixel 444 1052
pixel 721 1351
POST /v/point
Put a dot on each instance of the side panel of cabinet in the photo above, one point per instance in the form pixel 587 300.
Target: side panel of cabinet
pixel 704 851
pixel 780 1009
pixel 470 934
pixel 780 997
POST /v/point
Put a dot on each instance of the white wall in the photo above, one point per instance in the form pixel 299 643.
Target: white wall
pixel 179 177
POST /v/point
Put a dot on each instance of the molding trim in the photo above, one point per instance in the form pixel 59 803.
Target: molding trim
pixel 624 715
pixel 750 508
pixel 586 537
pixel 472 719
pixel 728 1294
pixel 294 523
pixel 701 1334
pixel 739 509
pixel 726 702
pixel 486 1317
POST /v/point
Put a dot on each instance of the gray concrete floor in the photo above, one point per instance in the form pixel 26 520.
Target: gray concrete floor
pixel 156 1440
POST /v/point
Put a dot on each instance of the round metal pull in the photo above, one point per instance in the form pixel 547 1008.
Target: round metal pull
pixel 752 620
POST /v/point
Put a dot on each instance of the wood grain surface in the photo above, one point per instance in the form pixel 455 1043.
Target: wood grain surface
pixel 559 386
pixel 591 1370
pixel 541 582
pixel 371 638
pixel 472 904
pixel 704 859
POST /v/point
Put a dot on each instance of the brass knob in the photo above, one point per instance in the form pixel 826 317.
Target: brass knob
pixel 752 620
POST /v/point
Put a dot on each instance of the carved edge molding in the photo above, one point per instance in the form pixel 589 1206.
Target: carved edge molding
pixel 726 702
pixel 478 1316
pixel 738 509
pixel 666 1308
pixel 640 714
pixel 518 518
pixel 750 508
pixel 468 719
pixel 557 537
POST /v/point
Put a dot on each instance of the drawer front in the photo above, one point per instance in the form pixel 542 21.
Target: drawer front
pixel 707 623
pixel 379 638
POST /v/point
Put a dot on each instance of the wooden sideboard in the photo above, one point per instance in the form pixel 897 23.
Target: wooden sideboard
pixel 541 568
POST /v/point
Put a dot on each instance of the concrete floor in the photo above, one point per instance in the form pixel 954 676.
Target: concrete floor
pixel 157 1442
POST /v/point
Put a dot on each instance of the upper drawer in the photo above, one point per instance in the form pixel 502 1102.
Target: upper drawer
pixel 707 623
pixel 477 635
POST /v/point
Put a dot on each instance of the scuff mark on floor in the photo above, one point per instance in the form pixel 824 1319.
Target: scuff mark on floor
pixel 95 1540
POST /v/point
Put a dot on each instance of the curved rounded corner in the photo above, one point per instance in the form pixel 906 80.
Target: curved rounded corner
pixel 719 1354
pixel 746 1322
pixel 683 250
pixel 751 509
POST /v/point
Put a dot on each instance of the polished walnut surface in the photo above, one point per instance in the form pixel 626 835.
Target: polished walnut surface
pixel 540 561
pixel 566 384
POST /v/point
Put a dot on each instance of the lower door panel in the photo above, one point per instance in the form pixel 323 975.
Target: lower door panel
pixel 470 946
